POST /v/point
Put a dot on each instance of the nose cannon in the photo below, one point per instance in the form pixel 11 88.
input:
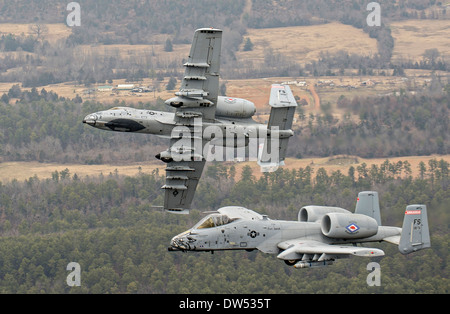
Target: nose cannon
pixel 182 242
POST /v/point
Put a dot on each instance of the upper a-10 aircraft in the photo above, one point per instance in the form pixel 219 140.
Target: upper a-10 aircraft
pixel 203 117
pixel 320 236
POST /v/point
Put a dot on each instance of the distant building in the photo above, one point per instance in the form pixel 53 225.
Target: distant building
pixel 297 83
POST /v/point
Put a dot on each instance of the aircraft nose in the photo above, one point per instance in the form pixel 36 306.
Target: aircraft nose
pixel 181 242
pixel 174 243
pixel 90 119
pixel 177 242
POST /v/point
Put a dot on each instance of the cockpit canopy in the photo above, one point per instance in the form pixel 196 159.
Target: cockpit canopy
pixel 213 220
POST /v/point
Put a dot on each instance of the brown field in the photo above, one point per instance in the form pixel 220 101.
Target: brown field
pixel 255 90
pixel 304 43
pixel 55 31
pixel 24 170
pixel 70 90
pixel 413 37
pixel 315 93
pixel 179 52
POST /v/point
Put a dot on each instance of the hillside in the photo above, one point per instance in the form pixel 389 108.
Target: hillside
pixel 124 40
pixel 414 37
pixel 304 44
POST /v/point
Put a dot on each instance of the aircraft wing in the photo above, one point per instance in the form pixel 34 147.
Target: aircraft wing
pixel 185 163
pixel 181 182
pixel 296 249
pixel 199 89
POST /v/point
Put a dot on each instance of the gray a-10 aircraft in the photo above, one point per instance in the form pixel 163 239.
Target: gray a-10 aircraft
pixel 202 117
pixel 318 237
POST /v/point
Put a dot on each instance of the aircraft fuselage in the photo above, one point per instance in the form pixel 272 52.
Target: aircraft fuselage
pixel 124 119
pixel 264 235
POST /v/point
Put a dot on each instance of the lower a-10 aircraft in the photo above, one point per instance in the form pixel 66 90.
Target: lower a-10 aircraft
pixel 321 235
pixel 201 118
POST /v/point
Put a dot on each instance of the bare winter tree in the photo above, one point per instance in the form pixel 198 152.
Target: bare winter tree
pixel 38 30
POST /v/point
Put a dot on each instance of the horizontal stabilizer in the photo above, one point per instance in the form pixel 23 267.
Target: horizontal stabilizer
pixel 279 131
pixel 393 239
pixel 283 104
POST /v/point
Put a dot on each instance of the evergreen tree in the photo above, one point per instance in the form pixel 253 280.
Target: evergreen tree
pixel 248 46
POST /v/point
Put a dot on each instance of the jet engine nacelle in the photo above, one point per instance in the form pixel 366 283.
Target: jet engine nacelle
pixel 231 107
pixel 313 213
pixel 348 226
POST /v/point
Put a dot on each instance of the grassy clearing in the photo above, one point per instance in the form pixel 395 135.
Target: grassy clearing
pixel 24 170
pixel 413 37
pixel 304 43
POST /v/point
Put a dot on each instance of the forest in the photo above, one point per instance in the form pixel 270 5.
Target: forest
pixel 110 226
pixel 42 126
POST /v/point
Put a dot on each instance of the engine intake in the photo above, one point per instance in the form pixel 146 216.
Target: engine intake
pixel 313 213
pixel 348 226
